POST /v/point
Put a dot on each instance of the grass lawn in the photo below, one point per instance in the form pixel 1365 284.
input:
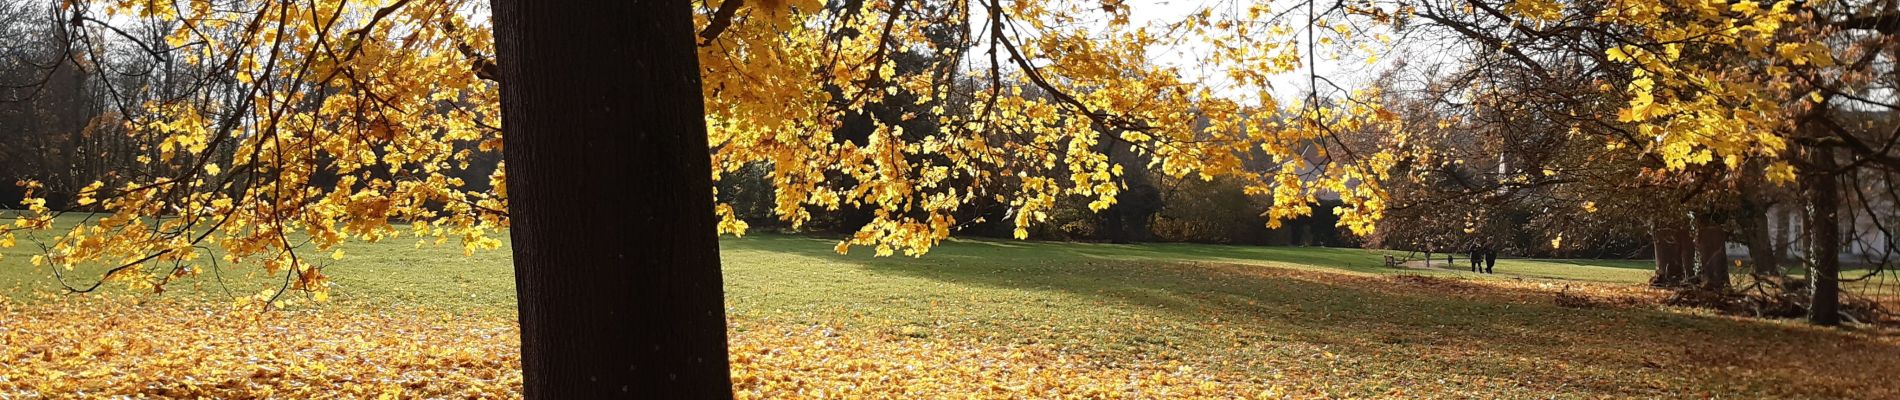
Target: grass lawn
pixel 1030 319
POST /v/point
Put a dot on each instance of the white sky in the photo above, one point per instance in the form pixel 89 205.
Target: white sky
pixel 1348 70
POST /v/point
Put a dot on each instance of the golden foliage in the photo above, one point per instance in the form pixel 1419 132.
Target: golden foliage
pixel 1035 114
pixel 382 97
pixel 1714 108
pixel 109 346
pixel 348 116
pixel 105 346
pixel 772 361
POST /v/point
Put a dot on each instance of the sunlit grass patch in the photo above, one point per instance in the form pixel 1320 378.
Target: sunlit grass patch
pixel 991 318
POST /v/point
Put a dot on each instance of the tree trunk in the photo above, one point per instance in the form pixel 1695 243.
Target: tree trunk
pixel 1113 226
pixel 1761 248
pixel 1752 219
pixel 1781 240
pixel 1685 248
pixel 616 257
pixel 1139 200
pixel 1113 230
pixel 1823 238
pixel 1711 240
pixel 1805 241
pixel 1665 237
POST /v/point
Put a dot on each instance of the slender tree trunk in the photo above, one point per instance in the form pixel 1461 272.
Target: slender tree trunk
pixel 610 194
pixel 1113 226
pixel 1665 237
pixel 1782 221
pixel 1711 240
pixel 1823 238
pixel 1686 250
pixel 1805 242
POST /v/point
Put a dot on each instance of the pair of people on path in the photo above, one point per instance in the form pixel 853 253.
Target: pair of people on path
pixel 1483 257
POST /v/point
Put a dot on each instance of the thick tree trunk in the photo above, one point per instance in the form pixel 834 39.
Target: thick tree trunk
pixel 1761 247
pixel 1752 218
pixel 1823 194
pixel 1665 236
pixel 1139 200
pixel 1113 230
pixel 610 194
pixel 1711 240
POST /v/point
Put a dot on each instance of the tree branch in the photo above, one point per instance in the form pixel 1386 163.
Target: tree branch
pixel 720 20
pixel 1886 23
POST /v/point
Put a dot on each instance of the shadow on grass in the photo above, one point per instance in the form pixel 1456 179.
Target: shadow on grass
pixel 1644 264
pixel 1416 324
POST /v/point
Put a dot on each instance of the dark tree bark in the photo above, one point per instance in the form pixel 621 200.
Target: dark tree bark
pixel 1761 248
pixel 1783 218
pixel 1114 227
pixel 1664 234
pixel 1804 241
pixel 1685 249
pixel 1824 198
pixel 1711 240
pixel 616 257
pixel 1753 221
pixel 1128 220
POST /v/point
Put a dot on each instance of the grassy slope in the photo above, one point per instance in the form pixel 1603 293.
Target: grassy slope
pixel 1330 320
pixel 1362 332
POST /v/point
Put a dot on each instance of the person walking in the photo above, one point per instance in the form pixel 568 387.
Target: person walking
pixel 1477 257
pixel 1490 260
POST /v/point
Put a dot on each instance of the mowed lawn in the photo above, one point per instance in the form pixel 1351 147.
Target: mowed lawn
pixel 991 318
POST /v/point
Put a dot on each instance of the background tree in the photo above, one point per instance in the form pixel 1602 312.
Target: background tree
pixel 1704 89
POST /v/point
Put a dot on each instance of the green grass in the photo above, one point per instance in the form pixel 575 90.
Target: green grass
pixel 1336 319
pixel 393 273
pixel 400 271
pixel 1250 309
